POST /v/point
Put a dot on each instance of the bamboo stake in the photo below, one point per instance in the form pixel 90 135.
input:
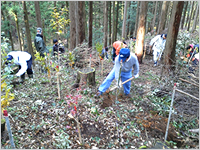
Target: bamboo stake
pixel 9 129
pixel 189 82
pixel 174 89
pixel 186 94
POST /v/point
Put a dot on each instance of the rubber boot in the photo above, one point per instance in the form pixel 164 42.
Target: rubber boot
pixel 22 78
pixel 30 75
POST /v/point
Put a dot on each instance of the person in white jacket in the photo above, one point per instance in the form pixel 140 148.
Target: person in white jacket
pixel 24 60
pixel 158 43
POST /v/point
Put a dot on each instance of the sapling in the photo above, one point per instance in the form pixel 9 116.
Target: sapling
pixel 49 63
pixel 72 102
pixel 99 49
pixel 40 60
pixel 58 80
pixel 7 97
pixel 71 59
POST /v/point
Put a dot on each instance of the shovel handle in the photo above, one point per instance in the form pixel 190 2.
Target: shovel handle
pixel 122 83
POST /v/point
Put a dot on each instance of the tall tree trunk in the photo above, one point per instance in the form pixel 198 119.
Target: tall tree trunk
pixel 150 23
pixel 43 27
pixel 128 24
pixel 17 27
pixel 117 13
pixel 67 16
pixel 113 23
pixel 184 14
pixel 188 27
pixel 124 21
pixel 187 18
pixel 22 38
pixel 154 18
pixel 162 17
pixel 38 18
pixel 7 17
pixel 72 8
pixel 159 12
pixel 90 23
pixel 170 51
pixel 194 10
pixel 141 31
pixel 109 22
pixel 76 20
pixel 84 23
pixel 38 14
pixel 105 23
pixel 99 12
pixel 137 18
pixel 28 33
pixel 167 14
pixel 9 31
pixel 80 22
pixel 195 19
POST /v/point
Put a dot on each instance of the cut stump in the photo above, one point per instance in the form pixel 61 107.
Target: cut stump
pixel 86 76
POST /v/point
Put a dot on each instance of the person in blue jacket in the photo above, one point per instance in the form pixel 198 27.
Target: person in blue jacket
pixel 104 53
pixel 24 60
pixel 129 61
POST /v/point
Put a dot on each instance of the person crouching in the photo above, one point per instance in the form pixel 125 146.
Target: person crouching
pixel 24 60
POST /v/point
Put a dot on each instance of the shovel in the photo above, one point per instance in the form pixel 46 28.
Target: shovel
pixel 121 84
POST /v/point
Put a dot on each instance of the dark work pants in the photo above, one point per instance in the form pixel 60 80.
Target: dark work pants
pixel 114 53
pixel 29 69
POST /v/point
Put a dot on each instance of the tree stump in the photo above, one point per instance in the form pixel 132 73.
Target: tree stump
pixel 86 76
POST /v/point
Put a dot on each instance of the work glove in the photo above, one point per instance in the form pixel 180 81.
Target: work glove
pixel 136 76
pixel 120 84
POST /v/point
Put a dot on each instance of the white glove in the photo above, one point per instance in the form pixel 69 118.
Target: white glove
pixel 120 84
pixel 136 76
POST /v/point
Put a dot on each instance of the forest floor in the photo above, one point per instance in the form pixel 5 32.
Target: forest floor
pixel 40 120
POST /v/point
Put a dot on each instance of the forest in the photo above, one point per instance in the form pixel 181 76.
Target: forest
pixel 57 106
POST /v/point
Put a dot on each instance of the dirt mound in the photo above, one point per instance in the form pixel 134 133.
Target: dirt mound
pixel 156 126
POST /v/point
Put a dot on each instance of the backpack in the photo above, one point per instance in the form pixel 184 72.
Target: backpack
pixel 61 48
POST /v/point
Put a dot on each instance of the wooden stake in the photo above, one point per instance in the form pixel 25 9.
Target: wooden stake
pixel 101 67
pixel 195 82
pixel 58 84
pixel 189 82
pixel 193 76
pixel 78 126
pixel 186 94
